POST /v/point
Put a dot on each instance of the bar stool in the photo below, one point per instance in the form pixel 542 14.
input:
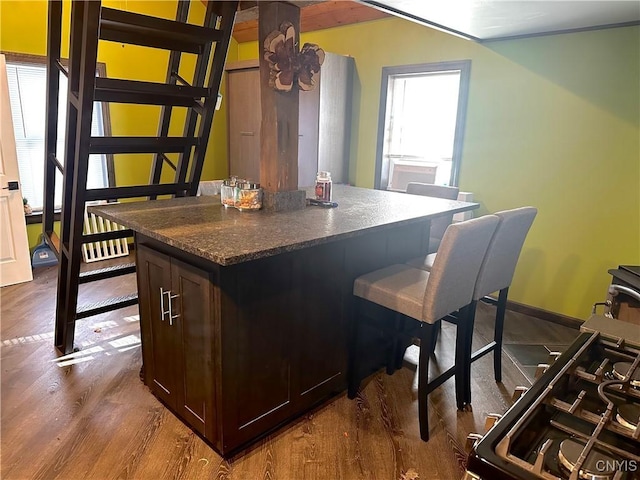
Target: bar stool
pixel 496 275
pixel 422 298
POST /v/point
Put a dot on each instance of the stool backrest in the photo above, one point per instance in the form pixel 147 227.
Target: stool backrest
pixel 438 225
pixel 455 269
pixel 504 249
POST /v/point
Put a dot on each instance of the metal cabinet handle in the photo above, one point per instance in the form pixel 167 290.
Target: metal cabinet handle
pixel 171 316
pixel 170 301
pixel 162 312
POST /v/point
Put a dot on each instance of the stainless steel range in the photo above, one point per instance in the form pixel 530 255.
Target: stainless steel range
pixel 579 420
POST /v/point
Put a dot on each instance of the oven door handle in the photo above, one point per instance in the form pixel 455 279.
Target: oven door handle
pixel 615 289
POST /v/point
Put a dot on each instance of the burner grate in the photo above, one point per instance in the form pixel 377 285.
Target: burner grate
pixel 588 403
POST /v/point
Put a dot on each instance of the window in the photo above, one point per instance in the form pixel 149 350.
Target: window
pixel 28 96
pixel 422 114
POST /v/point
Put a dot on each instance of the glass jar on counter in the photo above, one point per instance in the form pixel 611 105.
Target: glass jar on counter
pixel 227 194
pixel 323 186
pixel 248 196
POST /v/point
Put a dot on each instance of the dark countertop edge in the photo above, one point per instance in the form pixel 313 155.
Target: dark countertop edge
pixel 233 260
pixel 256 255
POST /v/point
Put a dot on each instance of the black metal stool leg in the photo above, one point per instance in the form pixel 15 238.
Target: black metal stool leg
pixel 497 335
pixel 468 352
pixel 423 380
pixel 464 336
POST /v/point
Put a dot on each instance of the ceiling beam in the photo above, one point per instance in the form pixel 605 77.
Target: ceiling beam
pixel 314 16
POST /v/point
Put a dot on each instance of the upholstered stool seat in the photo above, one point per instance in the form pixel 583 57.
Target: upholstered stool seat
pixel 399 288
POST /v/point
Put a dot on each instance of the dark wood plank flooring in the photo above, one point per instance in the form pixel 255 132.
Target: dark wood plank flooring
pixel 88 416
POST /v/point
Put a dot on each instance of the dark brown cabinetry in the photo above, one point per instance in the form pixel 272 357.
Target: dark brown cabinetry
pixel 236 351
pixel 175 299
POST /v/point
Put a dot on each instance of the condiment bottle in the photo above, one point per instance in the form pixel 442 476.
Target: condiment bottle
pixel 323 186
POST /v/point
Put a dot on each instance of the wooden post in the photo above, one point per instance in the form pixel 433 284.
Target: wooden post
pixel 279 132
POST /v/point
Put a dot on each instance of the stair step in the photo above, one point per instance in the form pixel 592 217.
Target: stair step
pixel 108 305
pixel 141 144
pixel 147 93
pixel 107 272
pixel 136 29
pixel 116 193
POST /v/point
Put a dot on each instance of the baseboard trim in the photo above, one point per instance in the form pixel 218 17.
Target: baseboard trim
pixel 546 315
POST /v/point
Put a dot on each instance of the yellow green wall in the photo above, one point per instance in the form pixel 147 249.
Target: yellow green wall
pixel 552 122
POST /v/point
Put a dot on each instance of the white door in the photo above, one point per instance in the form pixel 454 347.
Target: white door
pixel 15 261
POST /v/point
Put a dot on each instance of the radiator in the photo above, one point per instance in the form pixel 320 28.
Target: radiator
pixel 96 251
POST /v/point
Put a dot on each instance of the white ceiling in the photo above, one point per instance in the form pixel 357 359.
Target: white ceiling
pixel 497 19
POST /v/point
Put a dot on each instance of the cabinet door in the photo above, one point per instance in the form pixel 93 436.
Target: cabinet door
pixel 159 341
pixel 324 125
pixel 308 137
pixel 245 120
pixel 334 116
pixel 256 347
pixel 193 309
pixel 319 304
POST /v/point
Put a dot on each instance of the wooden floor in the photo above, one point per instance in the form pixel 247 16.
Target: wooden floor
pixel 88 416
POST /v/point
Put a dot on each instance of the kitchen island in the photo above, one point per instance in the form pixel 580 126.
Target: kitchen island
pixel 244 315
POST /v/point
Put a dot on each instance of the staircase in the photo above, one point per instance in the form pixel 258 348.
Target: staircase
pixel 91 23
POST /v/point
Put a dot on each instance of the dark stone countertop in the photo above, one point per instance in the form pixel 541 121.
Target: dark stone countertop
pixel 203 227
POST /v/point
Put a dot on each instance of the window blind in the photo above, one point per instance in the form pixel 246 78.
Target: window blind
pixel 27 95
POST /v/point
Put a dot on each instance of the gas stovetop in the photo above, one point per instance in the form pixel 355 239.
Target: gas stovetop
pixel 579 419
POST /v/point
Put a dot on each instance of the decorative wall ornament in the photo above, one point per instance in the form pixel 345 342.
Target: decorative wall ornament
pixel 288 66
